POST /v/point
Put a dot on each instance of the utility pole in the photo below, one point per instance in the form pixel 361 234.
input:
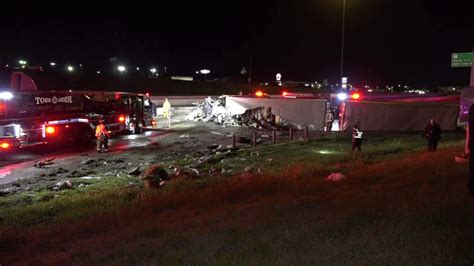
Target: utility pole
pixel 249 79
pixel 342 39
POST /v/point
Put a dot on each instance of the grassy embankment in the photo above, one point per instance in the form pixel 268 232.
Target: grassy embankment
pixel 399 204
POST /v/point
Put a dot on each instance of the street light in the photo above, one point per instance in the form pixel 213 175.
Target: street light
pixel 70 68
pixel 153 70
pixel 52 64
pixel 121 69
pixel 22 62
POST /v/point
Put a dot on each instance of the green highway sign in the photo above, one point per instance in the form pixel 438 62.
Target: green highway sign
pixel 461 59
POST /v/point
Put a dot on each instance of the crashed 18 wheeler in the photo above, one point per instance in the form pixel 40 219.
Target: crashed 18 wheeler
pixel 30 117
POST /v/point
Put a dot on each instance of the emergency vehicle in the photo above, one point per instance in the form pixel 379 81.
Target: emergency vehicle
pixel 30 117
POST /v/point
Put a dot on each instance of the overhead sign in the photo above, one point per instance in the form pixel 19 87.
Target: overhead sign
pixel 344 82
pixel 461 59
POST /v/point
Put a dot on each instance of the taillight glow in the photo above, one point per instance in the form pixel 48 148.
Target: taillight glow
pixel 259 93
pixel 355 96
pixel 50 130
pixel 5 145
pixel 121 119
pixel 153 122
pixel 285 93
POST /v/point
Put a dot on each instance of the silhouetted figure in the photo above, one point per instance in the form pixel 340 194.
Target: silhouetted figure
pixel 433 135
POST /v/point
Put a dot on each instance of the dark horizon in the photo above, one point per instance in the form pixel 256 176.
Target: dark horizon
pixel 387 42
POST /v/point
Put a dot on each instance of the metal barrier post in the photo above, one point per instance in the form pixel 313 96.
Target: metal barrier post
pixel 254 139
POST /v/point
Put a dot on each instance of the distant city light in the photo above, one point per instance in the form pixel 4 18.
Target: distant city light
pixel 52 64
pixel 278 77
pixel 205 71
pixel 70 68
pixel 197 71
pixel 138 68
pixel 153 70
pixel 98 72
pixel 121 68
pixel 22 62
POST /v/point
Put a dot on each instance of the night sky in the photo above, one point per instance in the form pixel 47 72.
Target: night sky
pixel 387 42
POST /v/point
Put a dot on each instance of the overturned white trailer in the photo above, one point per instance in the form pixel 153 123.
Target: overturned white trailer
pixel 302 111
pixel 394 116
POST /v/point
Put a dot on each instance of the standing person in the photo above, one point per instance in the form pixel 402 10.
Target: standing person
pixel 329 120
pixel 167 112
pixel 356 138
pixel 432 134
pixel 102 136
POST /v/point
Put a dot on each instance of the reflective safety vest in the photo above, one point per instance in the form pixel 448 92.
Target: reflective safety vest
pixel 357 134
pixel 101 131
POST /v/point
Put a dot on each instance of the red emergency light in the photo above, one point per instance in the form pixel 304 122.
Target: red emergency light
pixel 147 94
pixel 259 93
pixel 355 96
pixel 121 118
pixel 5 145
pixel 50 130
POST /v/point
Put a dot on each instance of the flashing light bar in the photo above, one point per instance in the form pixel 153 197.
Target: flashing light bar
pixel 6 95
pixel 50 130
pixel 5 145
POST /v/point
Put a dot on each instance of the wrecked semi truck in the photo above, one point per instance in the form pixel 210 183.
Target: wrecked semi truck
pixel 396 116
pixel 30 117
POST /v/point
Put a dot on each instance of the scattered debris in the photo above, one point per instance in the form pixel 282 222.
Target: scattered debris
pixel 90 177
pixel 213 146
pixel 43 164
pixel 252 170
pixel 255 153
pixel 154 176
pixel 135 172
pixel 63 185
pixel 336 177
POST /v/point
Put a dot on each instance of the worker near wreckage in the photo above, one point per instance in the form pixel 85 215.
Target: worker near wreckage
pixel 102 136
pixel 432 134
pixel 356 138
pixel 167 112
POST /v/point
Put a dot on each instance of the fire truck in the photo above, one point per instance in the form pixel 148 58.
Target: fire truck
pixel 30 117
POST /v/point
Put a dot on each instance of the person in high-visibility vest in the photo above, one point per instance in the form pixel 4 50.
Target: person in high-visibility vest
pixel 102 136
pixel 167 112
pixel 356 138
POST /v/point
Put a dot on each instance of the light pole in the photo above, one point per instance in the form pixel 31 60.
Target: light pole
pixel 342 39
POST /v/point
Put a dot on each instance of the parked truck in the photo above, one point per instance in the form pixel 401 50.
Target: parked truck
pixel 30 117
